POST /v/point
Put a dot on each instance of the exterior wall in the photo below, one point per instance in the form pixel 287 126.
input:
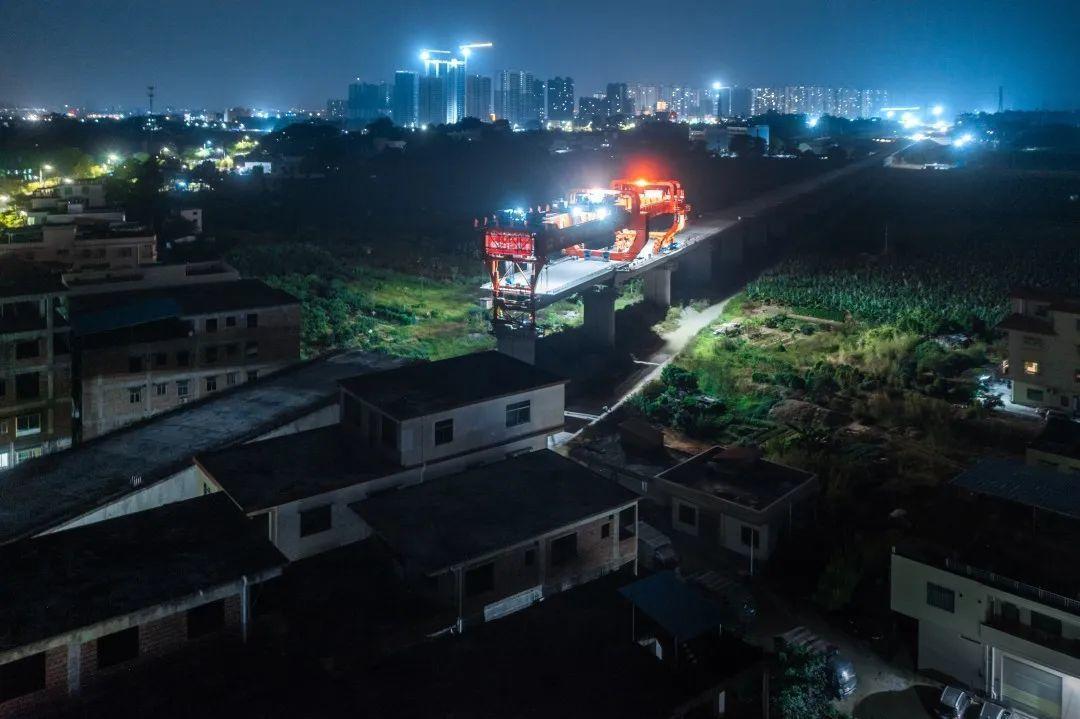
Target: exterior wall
pixel 322 417
pixel 596 555
pixel 346 526
pixel 62 244
pixel 478 426
pixel 1058 375
pixel 53 405
pixel 71 661
pixel 188 483
pixel 1061 462
pixel 968 642
pixel 107 382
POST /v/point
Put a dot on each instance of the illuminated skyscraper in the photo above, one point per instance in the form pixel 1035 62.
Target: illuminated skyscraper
pixel 367 101
pixel 510 96
pixel 618 99
pixel 478 97
pixel 560 99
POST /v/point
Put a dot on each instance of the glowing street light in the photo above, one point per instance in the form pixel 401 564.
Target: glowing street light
pixel 113 158
pixel 938 110
pixel 716 86
pixel 41 173
pixel 812 121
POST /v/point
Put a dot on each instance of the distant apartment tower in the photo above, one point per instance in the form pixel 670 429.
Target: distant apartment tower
pixel 873 101
pixel 404 99
pixel 35 363
pixel 431 100
pixel 510 96
pixel 590 107
pixel 367 101
pixel 560 99
pixel 768 99
pixel 336 109
pixel 536 101
pixel 478 97
pixel 645 97
pixel 742 102
pixel 618 99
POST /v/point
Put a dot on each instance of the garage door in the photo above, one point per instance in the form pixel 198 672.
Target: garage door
pixel 1030 689
pixel 945 651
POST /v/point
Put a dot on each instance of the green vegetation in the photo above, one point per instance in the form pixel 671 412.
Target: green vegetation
pixel 347 303
pixel 799 686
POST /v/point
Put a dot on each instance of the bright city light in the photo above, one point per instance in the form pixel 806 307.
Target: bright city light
pixel 113 157
pixel 47 168
pixel 716 86
pixel 602 213
pixel 641 183
pixel 425 55
pixel 938 109
pixel 812 122
pixel 964 139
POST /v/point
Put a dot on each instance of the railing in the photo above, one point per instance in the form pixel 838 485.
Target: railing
pixel 1028 633
pixel 1018 588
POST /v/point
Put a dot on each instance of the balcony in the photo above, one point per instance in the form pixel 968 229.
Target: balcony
pixel 1057 643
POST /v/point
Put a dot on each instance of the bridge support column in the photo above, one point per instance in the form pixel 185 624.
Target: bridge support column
pixel 657 286
pixel 599 310
pixel 518 344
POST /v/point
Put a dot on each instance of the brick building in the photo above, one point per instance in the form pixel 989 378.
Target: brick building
pixel 90 244
pixel 139 353
pixel 87 604
pixel 494 539
pixel 35 364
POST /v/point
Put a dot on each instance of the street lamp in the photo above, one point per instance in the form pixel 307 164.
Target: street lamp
pixel 41 173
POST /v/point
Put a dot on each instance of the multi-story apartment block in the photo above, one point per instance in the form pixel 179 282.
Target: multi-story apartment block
pixel 82 245
pixel 142 352
pixel 1044 350
pixel 35 364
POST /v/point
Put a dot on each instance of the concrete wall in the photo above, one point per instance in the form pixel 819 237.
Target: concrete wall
pixel 1058 375
pixel 967 642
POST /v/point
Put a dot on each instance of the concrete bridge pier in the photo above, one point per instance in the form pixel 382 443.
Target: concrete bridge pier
pixel 656 286
pixel 599 311
pixel 519 344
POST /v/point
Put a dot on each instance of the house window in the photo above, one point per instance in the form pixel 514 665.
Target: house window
pixel 1031 367
pixel 687 514
pixel 251 348
pixel 750 537
pixel 134 395
pixel 315 520
pixel 231 350
pixel 22 455
pixel 5 460
pixel 252 320
pixel 252 375
pixel 28 349
pixel 518 413
pixel 211 324
pixel 205 619
pixel 27 386
pixel 941 597
pixel 183 358
pixel 605 530
pixel 230 321
pixel 230 378
pixel 211 383
pixel 444 431
pixel 22 676
pixel 1010 612
pixel 389 432
pixel 161 389
pixel 1034 395
pixel 530 557
pixel 182 388
pixel 135 364
pixel 160 359
pixel 563 550
pixel 3 387
pixel 480 579
pixel 118 647
pixel 27 424
pixel 1045 624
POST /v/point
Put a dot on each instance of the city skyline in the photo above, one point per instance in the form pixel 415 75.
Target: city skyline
pixel 919 54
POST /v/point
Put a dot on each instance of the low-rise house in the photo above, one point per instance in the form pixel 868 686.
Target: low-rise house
pixel 80 606
pixel 35 363
pixel 1057 446
pixel 142 352
pixel 494 539
pixel 735 500
pixel 995 601
pixel 92 245
pixel 1044 349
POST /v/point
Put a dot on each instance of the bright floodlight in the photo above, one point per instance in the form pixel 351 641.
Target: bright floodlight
pixel 890 114
pixel 641 182
pixel 466 51
pixel 938 109
pixel 602 213
pixel 812 122
pixel 113 157
pixel 425 55
pixel 47 167
pixel 716 86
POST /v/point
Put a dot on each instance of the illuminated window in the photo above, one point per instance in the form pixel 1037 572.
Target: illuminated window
pixel 27 424
pixel 1031 367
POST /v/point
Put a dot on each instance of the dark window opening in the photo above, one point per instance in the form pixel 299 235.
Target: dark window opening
pixel 251 349
pixel 314 521
pixel 205 619
pixel 119 647
pixel 135 364
pixel 563 550
pixel 940 597
pixel 160 359
pixel 688 515
pixel 28 349
pixel 22 676
pixel 480 579
pixel 253 320
pixel 530 557
pixel 210 354
pixel 262 521
pixel 750 537
pixel 1047 625
pixel 211 325
pixel 444 431
pixel 230 321
pixel 27 386
pixel 389 432
pixel 518 413
pixel 605 530
pixel 183 358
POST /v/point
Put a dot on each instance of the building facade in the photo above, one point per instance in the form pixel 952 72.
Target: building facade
pixel 404 99
pixel 560 99
pixel 92 245
pixel 478 97
pixel 1043 362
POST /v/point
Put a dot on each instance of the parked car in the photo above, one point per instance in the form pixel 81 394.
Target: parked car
pixel 993 711
pixel 953 703
pixel 842 677
pixel 655 549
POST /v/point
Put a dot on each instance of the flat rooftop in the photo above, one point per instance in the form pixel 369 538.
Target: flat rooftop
pixel 276 471
pixel 51 490
pixel 430 387
pixel 101 312
pixel 1060 436
pixel 67 580
pixel 738 475
pixel 465 516
pixel 1014 481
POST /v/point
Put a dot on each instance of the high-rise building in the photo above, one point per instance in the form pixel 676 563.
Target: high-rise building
pixel 768 99
pixel 478 97
pixel 336 109
pixel 403 103
pixel 644 97
pixel 367 101
pixel 536 100
pixel 442 69
pixel 618 99
pixel 591 106
pixel 560 99
pixel 431 100
pixel 872 102
pixel 742 102
pixel 510 96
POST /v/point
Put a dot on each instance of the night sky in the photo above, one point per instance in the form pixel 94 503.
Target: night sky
pixel 281 53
